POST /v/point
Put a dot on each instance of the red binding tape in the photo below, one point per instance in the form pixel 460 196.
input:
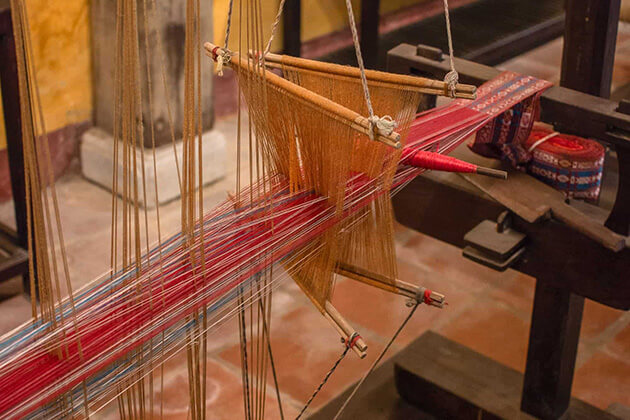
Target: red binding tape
pixel 353 340
pixel 427 296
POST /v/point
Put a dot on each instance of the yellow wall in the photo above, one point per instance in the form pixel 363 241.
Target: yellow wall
pixel 61 36
pixel 319 17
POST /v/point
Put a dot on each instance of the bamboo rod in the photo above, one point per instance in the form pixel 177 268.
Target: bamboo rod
pixel 353 119
pixel 401 287
pixel 437 91
pixel 419 83
pixel 345 329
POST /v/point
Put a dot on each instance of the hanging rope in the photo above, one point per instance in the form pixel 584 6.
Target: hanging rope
pixel 419 299
pixel 385 125
pixel 348 345
pixel 452 77
pixel 223 58
pixel 274 27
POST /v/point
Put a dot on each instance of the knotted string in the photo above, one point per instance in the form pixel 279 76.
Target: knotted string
pixel 386 124
pixel 222 58
pixel 274 27
pixel 452 77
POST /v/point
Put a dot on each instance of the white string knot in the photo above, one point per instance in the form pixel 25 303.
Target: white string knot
pixel 542 140
pixel 451 79
pixel 220 65
pixel 222 59
pixel 384 125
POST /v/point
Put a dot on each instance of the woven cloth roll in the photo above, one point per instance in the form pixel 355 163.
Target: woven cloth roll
pixel 570 164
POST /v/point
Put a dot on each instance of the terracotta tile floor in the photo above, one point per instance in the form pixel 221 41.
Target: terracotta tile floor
pixel 488 311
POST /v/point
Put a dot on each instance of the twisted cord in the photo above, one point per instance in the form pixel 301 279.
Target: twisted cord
pixel 274 27
pixel 452 77
pixel 378 359
pixel 220 59
pixel 349 344
pixel 386 124
pixel 229 25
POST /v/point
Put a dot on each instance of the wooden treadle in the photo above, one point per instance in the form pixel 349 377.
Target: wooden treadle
pixel 436 378
pixel 450 380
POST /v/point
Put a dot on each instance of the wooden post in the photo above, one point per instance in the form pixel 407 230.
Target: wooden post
pixel 292 28
pixel 587 65
pixel 619 218
pixel 13 129
pixel 589 45
pixel 553 340
pixel 368 34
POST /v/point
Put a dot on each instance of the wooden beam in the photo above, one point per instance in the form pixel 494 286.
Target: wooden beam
pixel 590 37
pixel 553 341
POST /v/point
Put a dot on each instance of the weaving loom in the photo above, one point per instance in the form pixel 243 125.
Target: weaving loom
pixel 322 167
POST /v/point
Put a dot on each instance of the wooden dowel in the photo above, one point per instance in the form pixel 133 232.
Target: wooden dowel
pixel 353 119
pixel 493 173
pixel 345 328
pixel 373 279
pixel 401 287
pixel 437 91
pixel 463 91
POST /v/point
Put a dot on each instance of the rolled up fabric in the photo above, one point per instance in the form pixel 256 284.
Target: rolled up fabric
pixel 568 163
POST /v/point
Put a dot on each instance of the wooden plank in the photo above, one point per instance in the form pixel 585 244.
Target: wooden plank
pixel 449 380
pixel 533 200
pixel 377 399
pixel 553 341
pixel 449 210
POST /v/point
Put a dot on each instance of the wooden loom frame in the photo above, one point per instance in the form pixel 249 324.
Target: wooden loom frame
pixel 598 273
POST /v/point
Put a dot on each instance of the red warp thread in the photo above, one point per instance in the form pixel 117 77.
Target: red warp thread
pixel 214 53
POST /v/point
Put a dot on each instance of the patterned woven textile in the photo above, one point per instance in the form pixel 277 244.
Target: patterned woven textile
pixel 570 164
pixel 503 137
